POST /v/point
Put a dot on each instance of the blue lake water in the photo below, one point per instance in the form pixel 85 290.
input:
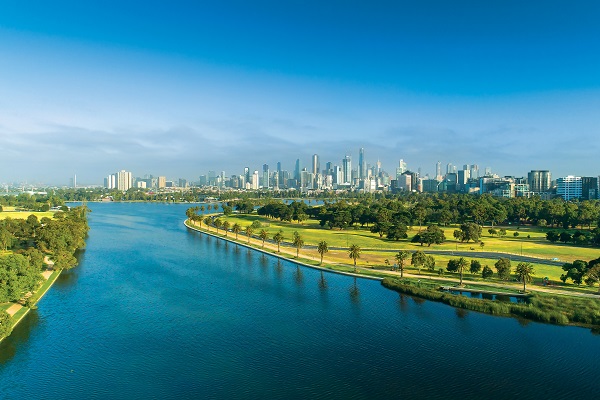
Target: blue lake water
pixel 157 311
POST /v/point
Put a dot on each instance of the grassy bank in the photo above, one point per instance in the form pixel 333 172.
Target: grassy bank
pixel 541 307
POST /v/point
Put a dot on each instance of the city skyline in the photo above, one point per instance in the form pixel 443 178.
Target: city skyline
pixel 184 88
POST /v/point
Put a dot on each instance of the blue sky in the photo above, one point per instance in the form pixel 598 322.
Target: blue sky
pixel 179 88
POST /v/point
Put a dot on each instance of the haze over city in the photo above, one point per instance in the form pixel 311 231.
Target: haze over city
pixel 181 88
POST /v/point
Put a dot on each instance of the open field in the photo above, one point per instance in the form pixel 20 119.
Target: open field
pixel 535 246
pixel 10 212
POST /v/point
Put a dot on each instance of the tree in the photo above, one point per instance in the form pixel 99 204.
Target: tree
pixel 226 225
pixel 524 271
pixel 430 263
pixel 218 224
pixel 486 272
pixel 249 230
pixel 236 228
pixel 482 245
pixel 503 267
pixel 575 271
pixel 433 235
pixel 263 235
pixel 502 232
pixel 227 210
pixel 354 253
pixel 322 249
pixel 5 323
pixel 552 236
pixel 298 242
pixel 594 273
pixel 475 267
pixel 492 231
pixel 469 231
pixel 400 258
pixel 207 222
pixel 565 237
pixel 278 238
pixel 418 259
pixel 462 266
pixel 397 231
pixel 6 238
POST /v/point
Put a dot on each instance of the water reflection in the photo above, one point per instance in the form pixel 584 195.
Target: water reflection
pixel 322 283
pixel 354 293
pixel 19 336
pixel 278 270
pixel 461 313
pixel 299 276
pixel 402 302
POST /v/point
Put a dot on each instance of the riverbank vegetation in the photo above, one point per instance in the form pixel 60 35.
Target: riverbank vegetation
pixel 24 245
pixel 542 307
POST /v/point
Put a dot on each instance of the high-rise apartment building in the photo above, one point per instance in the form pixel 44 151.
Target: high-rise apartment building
pixel 569 187
pixel 266 176
pixel 362 166
pixel 255 180
pixel 539 181
pixel 162 181
pixel 438 171
pixel 315 164
pixel 124 180
pixel 347 170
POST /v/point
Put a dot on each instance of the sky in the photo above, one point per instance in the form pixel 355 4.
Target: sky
pixel 179 88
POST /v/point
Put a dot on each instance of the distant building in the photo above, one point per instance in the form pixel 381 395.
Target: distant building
pixel 569 187
pixel 539 181
pixel 124 180
pixel 162 181
pixel 347 170
pixel 589 187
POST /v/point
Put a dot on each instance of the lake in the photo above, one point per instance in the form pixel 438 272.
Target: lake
pixel 157 311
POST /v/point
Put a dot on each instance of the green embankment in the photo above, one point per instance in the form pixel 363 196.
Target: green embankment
pixel 540 307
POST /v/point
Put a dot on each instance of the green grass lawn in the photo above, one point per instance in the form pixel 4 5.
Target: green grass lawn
pixel 536 245
pixel 10 212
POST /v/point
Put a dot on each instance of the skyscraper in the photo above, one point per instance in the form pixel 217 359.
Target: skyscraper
pixel 315 164
pixel 362 166
pixel 438 171
pixel 297 170
pixel 347 170
pixel 266 176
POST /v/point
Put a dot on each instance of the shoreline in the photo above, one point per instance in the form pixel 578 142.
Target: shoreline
pixel 42 290
pixel 295 261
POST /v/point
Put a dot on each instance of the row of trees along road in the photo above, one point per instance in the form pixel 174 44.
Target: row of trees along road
pixel 29 240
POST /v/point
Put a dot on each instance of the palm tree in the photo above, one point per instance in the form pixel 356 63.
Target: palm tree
pixel 462 266
pixel 354 253
pixel 298 243
pixel 249 231
pixel 401 257
pixel 525 273
pixel 218 224
pixel 226 227
pixel 263 234
pixel 207 221
pixel 278 238
pixel 322 249
pixel 236 228
pixel 202 208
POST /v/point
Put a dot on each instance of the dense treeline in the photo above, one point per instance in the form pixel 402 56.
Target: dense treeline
pixel 30 240
pixel 391 216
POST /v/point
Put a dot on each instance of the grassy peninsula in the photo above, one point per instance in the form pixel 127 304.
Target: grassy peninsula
pixel 552 298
